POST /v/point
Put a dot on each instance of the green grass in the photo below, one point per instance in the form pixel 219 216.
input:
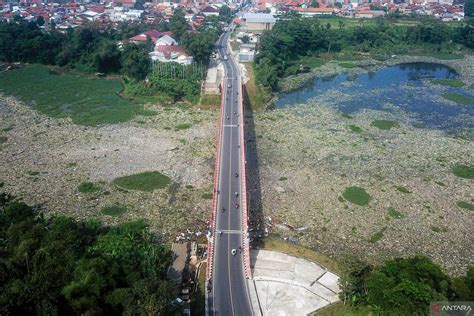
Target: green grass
pixel 377 236
pixel 463 171
pixel 146 181
pixel 88 187
pixel 210 101
pixel 33 173
pixel 114 210
pixel 458 98
pixel 384 124
pixel 86 101
pixel 355 128
pixel 455 83
pixel 282 179
pixel 394 213
pixel 348 65
pixel 72 164
pixel 403 189
pixel 345 115
pixel 309 61
pixel 437 229
pixel 465 205
pixel 357 196
pixel 255 96
pixel 439 55
pixel 182 126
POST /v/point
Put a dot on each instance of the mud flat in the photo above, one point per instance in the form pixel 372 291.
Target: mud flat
pixel 45 160
pixel 407 194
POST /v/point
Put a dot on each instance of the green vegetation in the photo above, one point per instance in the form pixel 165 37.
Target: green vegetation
pixel 357 196
pixel 464 171
pixel 403 189
pixel 114 210
pixel 3 139
pixel 88 187
pixel 210 101
pixel 448 82
pixel 377 236
pixel 61 266
pixel 255 95
pixel 392 212
pixel 458 98
pixel 384 124
pixel 345 115
pixel 355 128
pixel 466 205
pixel 86 101
pixel 347 65
pixel 438 55
pixel 33 173
pixel 294 37
pixel 146 181
pixel 403 286
pixel 282 179
pixel 207 196
pixel 71 164
pixel 437 229
pixel 182 126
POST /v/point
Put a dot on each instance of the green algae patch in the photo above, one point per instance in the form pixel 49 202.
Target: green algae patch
pixel 355 128
pixel 377 236
pixel 114 210
pixel 465 205
pixel 403 189
pixel 88 187
pixel 385 124
pixel 463 171
pixel 458 98
pixel 392 212
pixel 357 196
pixel 455 83
pixel 145 181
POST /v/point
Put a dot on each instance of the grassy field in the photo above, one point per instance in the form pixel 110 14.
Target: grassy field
pixel 86 101
pixel 448 82
pixel 210 101
pixel 256 96
pixel 301 252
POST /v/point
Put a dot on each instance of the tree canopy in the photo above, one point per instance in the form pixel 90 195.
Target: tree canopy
pixel 59 265
pixel 178 24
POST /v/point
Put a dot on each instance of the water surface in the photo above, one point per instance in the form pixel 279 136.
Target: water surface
pixel 403 90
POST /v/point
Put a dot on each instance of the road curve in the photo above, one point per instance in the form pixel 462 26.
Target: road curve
pixel 229 293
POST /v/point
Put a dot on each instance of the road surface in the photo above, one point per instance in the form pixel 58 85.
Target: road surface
pixel 229 293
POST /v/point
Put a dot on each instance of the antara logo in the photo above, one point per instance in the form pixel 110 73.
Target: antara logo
pixel 439 308
pixel 436 308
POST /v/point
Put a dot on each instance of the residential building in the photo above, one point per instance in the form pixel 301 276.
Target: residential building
pixel 257 21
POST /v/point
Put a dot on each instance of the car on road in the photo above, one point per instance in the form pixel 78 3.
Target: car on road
pixel 233 252
pixel 225 57
pixel 229 86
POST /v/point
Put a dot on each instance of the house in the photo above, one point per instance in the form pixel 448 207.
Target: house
pixel 166 40
pixel 247 52
pixel 310 12
pixel 153 35
pixel 369 14
pixel 171 53
pixel 257 21
pixel 207 11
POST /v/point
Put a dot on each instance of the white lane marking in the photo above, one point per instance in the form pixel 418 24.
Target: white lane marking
pixel 230 125
pixel 230 231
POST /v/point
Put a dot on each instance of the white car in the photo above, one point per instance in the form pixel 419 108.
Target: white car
pixel 233 252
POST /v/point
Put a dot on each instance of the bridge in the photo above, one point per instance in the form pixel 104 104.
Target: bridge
pixel 228 266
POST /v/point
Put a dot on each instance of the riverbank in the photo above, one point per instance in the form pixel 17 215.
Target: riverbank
pixel 364 183
pixel 45 160
pixel 464 67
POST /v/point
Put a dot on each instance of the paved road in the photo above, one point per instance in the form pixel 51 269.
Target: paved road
pixel 229 294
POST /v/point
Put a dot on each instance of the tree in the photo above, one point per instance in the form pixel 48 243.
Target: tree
pixel 200 45
pixel 469 8
pixel 178 24
pixel 107 57
pixel 314 4
pixel 245 39
pixel 135 62
pixel 225 14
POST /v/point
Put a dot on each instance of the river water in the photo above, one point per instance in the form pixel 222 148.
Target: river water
pixel 403 90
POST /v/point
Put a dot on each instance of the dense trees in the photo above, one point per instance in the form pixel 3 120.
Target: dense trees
pixel 402 286
pixel 294 37
pixel 469 8
pixel 63 266
pixel 178 24
pixel 200 45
